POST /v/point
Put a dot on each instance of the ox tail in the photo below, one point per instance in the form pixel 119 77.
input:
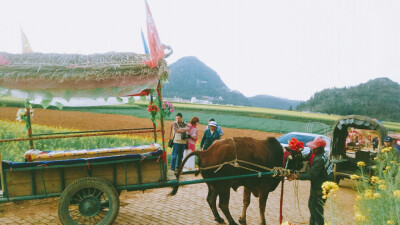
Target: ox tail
pixel 178 174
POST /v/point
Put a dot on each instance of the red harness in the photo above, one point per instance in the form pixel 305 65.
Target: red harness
pixel 285 156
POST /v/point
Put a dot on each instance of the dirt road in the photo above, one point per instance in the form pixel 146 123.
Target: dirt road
pixel 189 206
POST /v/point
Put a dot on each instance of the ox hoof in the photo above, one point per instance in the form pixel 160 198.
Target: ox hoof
pixel 242 221
pixel 219 220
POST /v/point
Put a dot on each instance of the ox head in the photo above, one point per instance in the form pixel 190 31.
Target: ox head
pixel 293 158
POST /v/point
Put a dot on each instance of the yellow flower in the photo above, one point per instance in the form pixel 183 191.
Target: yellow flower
pixel 377 195
pixel 369 195
pixel 390 222
pixel 374 179
pixel 388 167
pixel 396 194
pixel 286 223
pixel 388 149
pixel 382 187
pixel 361 164
pixel 328 188
pixel 392 162
pixel 373 167
pixel 359 217
pixel 358 197
pixel 376 158
pixel 355 177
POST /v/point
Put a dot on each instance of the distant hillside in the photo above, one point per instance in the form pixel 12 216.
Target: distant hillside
pixel 378 98
pixel 192 78
pixel 266 101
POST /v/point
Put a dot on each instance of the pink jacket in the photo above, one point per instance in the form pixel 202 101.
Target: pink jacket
pixel 193 133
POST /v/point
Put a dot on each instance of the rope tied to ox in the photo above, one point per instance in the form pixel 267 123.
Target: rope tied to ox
pixel 278 171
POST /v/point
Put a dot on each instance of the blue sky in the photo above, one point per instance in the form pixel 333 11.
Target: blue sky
pixel 287 49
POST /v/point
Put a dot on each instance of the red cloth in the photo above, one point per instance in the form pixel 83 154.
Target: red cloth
pixel 311 158
pixel 156 48
pixel 144 92
pixel 285 155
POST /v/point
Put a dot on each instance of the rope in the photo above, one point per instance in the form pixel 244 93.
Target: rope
pixel 281 204
pixel 278 171
pixel 296 194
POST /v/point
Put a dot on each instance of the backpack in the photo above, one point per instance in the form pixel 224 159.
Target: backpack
pixel 328 168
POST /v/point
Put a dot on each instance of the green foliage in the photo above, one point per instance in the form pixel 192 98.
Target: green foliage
pixel 192 78
pixel 11 102
pixel 263 119
pixel 378 199
pixel 378 98
pixel 14 151
pixel 226 116
pixel 266 101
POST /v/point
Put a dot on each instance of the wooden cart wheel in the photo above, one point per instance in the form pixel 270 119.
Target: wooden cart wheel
pixel 89 200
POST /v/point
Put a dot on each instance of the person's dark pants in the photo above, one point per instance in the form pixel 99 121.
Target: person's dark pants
pixel 177 155
pixel 316 207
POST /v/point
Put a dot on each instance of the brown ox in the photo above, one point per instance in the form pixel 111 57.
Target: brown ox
pixel 267 153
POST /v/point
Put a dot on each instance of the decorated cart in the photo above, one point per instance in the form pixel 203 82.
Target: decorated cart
pixel 345 156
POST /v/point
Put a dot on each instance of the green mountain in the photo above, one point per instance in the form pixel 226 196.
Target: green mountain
pixel 267 101
pixel 378 98
pixel 192 78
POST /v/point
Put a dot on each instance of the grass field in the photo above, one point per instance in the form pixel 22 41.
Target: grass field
pixel 224 119
pixel 262 119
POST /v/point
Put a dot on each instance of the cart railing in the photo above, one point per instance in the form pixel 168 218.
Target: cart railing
pixel 84 134
pixel 144 186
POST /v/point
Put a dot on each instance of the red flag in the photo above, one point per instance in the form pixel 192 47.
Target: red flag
pixel 156 49
pixel 3 61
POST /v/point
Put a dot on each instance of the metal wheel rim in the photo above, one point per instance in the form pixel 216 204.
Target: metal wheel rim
pixel 89 206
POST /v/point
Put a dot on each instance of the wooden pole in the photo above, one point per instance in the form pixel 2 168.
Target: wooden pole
pixel 80 135
pixel 154 124
pixel 28 123
pixel 162 124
